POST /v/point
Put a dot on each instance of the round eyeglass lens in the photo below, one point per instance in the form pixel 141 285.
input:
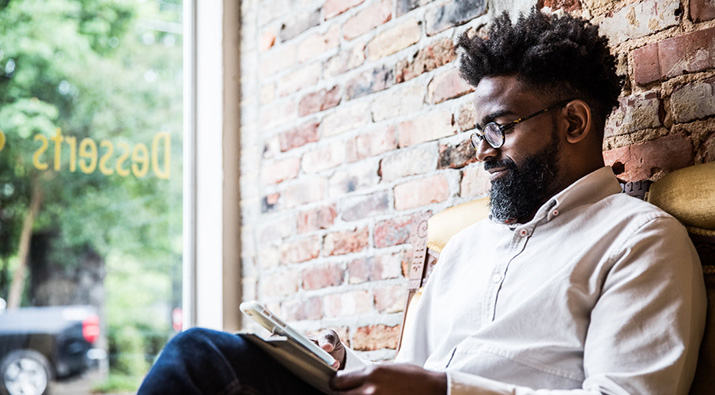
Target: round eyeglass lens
pixel 494 136
pixel 475 139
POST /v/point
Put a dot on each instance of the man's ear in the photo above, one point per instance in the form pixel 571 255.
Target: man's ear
pixel 578 120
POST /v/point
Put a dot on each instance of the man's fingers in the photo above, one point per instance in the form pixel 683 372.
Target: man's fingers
pixel 329 340
pixel 329 337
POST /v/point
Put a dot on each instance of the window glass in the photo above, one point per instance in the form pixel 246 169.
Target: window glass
pixel 90 191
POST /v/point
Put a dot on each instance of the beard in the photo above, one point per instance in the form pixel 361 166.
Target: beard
pixel 523 188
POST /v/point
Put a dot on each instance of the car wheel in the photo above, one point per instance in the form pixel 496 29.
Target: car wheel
pixel 24 372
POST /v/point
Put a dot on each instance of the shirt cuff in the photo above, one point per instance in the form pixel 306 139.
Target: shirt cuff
pixel 353 361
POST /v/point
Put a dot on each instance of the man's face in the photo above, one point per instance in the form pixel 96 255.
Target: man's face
pixel 524 171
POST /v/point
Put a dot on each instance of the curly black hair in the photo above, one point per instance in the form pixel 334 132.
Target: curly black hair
pixel 564 57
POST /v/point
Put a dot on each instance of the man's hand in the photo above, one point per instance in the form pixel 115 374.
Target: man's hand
pixel 390 379
pixel 329 341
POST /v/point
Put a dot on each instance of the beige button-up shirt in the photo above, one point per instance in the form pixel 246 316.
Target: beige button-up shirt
pixel 599 293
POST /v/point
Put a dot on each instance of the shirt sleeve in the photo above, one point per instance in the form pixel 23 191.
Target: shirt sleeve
pixel 646 327
pixel 353 361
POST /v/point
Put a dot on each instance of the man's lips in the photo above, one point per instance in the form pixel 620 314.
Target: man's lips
pixel 497 172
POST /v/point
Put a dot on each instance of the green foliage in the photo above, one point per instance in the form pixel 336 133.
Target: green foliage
pixel 117 383
pixel 82 66
pixel 126 346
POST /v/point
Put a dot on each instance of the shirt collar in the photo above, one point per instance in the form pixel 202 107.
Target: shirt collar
pixel 590 188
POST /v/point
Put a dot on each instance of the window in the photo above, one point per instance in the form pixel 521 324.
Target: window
pixel 91 170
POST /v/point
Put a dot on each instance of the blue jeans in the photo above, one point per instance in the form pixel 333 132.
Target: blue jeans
pixel 203 361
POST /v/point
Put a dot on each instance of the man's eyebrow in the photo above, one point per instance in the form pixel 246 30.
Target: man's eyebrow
pixel 494 115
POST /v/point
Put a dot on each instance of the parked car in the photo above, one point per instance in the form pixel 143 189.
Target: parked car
pixel 38 344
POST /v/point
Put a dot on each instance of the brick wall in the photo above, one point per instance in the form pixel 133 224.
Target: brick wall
pixel 354 123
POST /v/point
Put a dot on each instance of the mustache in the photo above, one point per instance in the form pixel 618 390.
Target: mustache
pixel 505 163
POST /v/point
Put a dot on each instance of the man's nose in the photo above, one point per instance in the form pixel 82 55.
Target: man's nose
pixel 484 151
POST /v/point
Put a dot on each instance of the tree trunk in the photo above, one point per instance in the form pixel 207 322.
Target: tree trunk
pixel 18 279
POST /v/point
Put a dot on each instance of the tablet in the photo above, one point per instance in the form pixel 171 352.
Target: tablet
pixel 270 321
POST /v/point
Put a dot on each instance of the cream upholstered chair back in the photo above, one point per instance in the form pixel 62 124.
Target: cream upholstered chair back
pixel 688 194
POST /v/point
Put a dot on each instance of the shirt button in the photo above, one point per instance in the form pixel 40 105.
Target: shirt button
pixel 496 278
pixel 523 233
pixel 555 213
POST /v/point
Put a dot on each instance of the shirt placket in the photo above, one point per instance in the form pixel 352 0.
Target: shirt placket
pixel 519 237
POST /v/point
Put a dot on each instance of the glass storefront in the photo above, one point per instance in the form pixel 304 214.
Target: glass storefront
pixel 90 191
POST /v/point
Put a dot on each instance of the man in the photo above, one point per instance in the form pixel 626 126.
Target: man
pixel 569 287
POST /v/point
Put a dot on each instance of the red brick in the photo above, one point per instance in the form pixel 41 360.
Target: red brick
pixel 456 156
pixel 693 101
pixel 323 276
pixel 394 39
pixel 566 5
pixel 361 207
pixel 421 192
pixel 267 93
pixel 639 20
pixel 390 299
pixel 360 176
pixel 646 67
pixel 370 82
pixel 324 157
pixel 367 19
pixel 345 118
pixel 268 39
pixel 301 135
pixel 702 10
pixel 398 101
pixel 333 8
pixel 277 59
pixel 315 219
pixel 276 229
pixel 300 310
pixel 372 143
pixel 373 268
pixel 304 191
pixel 467 118
pixel 319 101
pixel 635 112
pixel 429 126
pixel 408 162
pixel 300 250
pixel 426 59
pixel 376 337
pixel 347 304
pixel 318 43
pixel 687 53
pixel 452 13
pixel 279 283
pixel 269 256
pixel 278 171
pixel 651 159
pixel 270 10
pixel 405 6
pixel 447 86
pixel 346 59
pixel 299 79
pixel 346 242
pixel 393 232
pixel 475 181
pixel 299 23
pixel 281 112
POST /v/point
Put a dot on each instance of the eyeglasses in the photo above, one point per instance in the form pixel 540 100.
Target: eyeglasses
pixel 493 133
